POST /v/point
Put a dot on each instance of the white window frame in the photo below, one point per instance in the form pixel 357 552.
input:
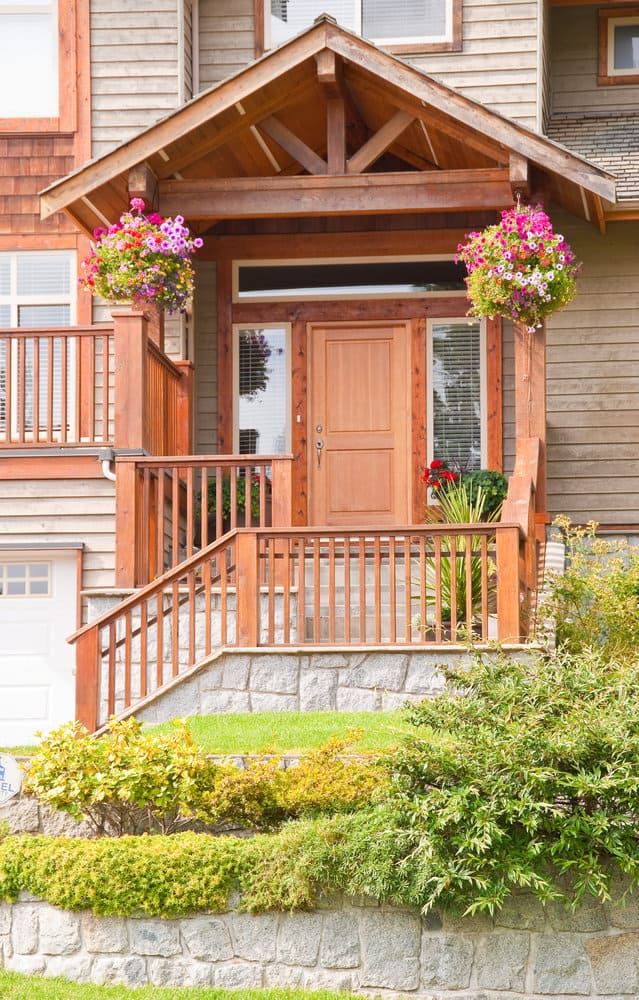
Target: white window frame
pixel 9 8
pixel 483 387
pixel 396 40
pixel 16 300
pixel 237 329
pixel 5 579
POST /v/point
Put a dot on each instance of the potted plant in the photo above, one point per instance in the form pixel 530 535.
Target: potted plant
pixel 460 500
pixel 225 505
pixel 519 268
pixel 143 259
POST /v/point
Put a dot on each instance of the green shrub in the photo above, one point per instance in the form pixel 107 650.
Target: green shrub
pixel 520 775
pixel 130 782
pixel 264 795
pixel 134 782
pixel 493 486
pixel 595 602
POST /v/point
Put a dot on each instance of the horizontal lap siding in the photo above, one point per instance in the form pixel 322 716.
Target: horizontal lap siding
pixel 205 359
pixel 59 511
pixel 227 41
pixel 593 382
pixel 574 66
pixel 134 67
pixel 498 64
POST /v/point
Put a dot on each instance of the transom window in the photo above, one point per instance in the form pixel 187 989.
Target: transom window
pixel 29 71
pixel 25 579
pixel 420 23
pixel 619 46
pixel 456 406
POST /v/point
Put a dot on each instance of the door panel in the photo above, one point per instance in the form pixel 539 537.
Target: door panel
pixel 360 401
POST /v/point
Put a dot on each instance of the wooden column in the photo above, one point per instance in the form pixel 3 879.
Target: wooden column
pixel 86 679
pixel 224 357
pixel 130 378
pixel 248 590
pixel 184 414
pixel 126 523
pixel 508 585
pixel 530 398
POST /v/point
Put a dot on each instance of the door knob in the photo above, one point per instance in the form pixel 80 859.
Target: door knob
pixel 318 448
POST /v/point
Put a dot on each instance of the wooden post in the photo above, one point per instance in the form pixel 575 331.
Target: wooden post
pixel 126 520
pixel 184 415
pixel 248 592
pixel 86 679
pixel 508 602
pixel 530 398
pixel 130 378
pixel 281 515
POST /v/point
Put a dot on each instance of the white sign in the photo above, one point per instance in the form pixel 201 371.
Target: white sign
pixel 10 777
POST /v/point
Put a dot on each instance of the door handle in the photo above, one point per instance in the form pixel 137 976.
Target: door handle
pixel 318 448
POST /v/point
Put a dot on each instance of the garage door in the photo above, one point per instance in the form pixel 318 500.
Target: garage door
pixel 37 612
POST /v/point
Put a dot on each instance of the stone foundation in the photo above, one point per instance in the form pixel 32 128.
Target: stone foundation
pixel 528 952
pixel 356 680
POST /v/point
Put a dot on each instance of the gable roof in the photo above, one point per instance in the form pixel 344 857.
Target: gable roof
pixel 277 120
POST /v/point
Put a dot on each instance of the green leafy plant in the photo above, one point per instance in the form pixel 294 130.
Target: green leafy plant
pixel 520 775
pixel 594 603
pixel 494 485
pixel 240 495
pixel 461 573
pixel 130 782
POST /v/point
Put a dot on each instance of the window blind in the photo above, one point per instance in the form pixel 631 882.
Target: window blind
pixel 28 59
pixel 262 367
pixel 456 393
pixel 404 18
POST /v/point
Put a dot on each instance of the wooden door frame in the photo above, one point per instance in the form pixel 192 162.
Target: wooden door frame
pixel 298 314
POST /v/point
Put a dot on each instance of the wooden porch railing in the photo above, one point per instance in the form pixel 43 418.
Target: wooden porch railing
pixel 299 588
pixel 94 385
pixel 168 508
pixel 56 387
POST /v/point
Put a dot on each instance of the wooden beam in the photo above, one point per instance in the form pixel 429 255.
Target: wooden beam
pixel 379 143
pixel 329 73
pixel 519 176
pixel 330 245
pixel 266 197
pixel 336 135
pixel 293 145
pixel 143 184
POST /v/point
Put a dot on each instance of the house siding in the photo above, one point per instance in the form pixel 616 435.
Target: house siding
pixel 226 39
pixel 41 511
pixel 135 64
pixel 205 402
pixel 593 381
pixel 574 66
pixel 498 64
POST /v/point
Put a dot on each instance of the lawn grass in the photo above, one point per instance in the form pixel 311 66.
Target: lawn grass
pixel 14 986
pixel 291 732
pixel 284 732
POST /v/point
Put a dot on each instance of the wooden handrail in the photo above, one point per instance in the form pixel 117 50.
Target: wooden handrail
pixel 298 587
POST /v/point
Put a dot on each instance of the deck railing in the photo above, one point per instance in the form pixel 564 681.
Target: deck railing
pixel 298 588
pixel 169 508
pixel 93 386
pixel 56 387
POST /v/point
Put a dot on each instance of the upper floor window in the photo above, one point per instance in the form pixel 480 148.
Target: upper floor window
pixel 37 289
pixel 405 25
pixel 29 59
pixel 618 46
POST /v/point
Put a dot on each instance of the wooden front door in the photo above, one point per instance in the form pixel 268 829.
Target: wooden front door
pixel 359 414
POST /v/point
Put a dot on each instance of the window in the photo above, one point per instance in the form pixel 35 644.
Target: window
pixel 408 25
pixel 37 290
pixel 457 394
pixel 37 52
pixel 618 46
pixel 25 579
pixel 308 280
pixel 262 390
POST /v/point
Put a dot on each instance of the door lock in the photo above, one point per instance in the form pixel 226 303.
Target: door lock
pixel 318 448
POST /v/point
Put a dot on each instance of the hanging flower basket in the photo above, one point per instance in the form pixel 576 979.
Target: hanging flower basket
pixel 142 259
pixel 520 268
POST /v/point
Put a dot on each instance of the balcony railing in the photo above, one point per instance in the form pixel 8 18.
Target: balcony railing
pixel 93 386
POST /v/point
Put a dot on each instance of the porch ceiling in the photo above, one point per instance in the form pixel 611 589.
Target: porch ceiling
pixel 329 124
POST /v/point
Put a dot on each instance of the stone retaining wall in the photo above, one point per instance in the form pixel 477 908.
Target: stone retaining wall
pixel 527 951
pixel 357 680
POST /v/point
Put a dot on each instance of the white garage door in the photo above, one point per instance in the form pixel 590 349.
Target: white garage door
pixel 37 613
